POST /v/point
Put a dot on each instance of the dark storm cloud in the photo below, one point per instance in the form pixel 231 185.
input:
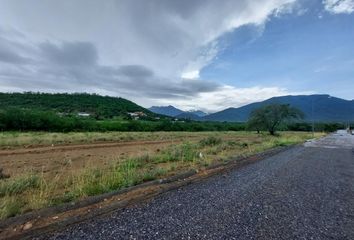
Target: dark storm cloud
pixel 70 53
pixel 136 71
pixel 11 51
pixel 8 56
pixel 75 65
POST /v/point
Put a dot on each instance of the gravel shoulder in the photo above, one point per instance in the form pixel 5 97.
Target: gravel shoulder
pixel 306 192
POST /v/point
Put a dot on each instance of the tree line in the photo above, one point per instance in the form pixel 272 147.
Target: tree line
pixel 16 119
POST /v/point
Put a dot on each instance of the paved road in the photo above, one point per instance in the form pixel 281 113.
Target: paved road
pixel 304 193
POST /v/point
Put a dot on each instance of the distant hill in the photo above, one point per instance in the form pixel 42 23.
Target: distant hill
pixel 166 110
pixel 95 105
pixel 198 113
pixel 190 116
pixel 325 108
pixel 175 112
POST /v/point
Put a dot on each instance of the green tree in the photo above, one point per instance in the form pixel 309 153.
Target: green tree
pixel 255 122
pixel 270 117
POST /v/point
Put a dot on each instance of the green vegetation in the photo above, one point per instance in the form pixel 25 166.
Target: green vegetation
pixel 15 119
pixel 26 193
pixel 210 141
pixel 100 107
pixel 18 186
pixel 318 127
pixel 270 117
pixel 60 113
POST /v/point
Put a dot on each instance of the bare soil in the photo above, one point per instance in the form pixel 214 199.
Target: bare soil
pixel 54 160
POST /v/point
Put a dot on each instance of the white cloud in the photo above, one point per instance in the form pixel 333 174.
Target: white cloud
pixel 164 42
pixel 190 75
pixel 228 96
pixel 339 6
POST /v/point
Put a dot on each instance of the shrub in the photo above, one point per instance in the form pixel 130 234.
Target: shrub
pixel 210 141
pixel 19 186
pixel 3 175
pixel 10 206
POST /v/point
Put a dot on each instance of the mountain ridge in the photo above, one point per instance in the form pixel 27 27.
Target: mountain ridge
pixel 317 107
pixel 172 111
pixel 92 104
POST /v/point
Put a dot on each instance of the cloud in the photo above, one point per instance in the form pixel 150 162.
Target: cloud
pixel 8 56
pixel 74 65
pixel 227 96
pixel 12 52
pixel 70 53
pixel 339 6
pixel 148 51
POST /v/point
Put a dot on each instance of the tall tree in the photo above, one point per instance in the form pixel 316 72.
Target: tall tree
pixel 270 117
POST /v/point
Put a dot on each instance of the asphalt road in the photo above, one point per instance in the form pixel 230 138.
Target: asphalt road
pixel 306 192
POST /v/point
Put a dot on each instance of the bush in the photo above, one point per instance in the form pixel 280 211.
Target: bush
pixel 18 186
pixel 10 206
pixel 210 141
pixel 3 175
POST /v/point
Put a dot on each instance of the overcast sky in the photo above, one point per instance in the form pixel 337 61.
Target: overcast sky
pixel 193 54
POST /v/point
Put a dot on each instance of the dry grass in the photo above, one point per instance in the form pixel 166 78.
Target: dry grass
pixel 25 139
pixel 29 192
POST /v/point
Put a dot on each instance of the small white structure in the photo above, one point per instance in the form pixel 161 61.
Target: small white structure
pixel 136 115
pixel 83 114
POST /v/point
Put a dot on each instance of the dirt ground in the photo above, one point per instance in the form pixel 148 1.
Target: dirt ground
pixel 70 158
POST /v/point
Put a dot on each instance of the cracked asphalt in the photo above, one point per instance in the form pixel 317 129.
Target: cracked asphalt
pixel 306 192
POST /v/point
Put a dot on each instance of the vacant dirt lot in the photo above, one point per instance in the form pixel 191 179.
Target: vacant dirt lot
pixel 68 156
pixel 69 159
pixel 52 154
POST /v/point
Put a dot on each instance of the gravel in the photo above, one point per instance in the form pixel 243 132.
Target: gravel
pixel 306 192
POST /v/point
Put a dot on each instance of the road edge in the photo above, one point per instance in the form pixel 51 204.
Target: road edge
pixel 47 220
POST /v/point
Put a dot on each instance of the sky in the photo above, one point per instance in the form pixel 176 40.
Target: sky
pixel 192 54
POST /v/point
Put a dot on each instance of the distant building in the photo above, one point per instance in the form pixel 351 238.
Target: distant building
pixel 137 114
pixel 83 114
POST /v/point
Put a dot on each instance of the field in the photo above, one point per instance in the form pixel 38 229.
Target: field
pixel 48 169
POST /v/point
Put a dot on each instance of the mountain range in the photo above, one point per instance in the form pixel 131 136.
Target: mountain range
pixel 177 113
pixel 318 107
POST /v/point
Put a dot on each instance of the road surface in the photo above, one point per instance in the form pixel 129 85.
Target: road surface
pixel 306 192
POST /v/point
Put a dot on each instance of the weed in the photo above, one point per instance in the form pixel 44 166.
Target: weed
pixel 18 186
pixel 10 206
pixel 153 174
pixel 210 141
pixel 185 152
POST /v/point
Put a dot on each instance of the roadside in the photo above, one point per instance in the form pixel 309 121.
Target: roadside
pixel 306 192
pixel 52 219
pixel 148 167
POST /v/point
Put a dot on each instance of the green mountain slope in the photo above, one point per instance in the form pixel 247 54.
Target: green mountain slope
pixel 96 105
pixel 321 108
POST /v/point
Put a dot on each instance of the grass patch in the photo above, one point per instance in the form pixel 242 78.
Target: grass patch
pixel 210 141
pixel 18 186
pixel 25 139
pixel 186 152
pixel 10 206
